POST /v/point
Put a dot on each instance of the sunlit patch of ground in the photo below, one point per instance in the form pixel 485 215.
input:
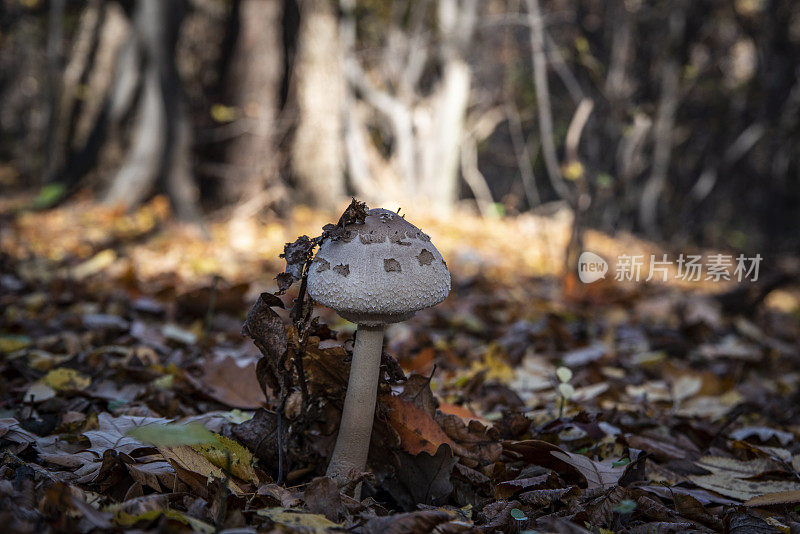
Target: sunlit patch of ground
pixel 83 238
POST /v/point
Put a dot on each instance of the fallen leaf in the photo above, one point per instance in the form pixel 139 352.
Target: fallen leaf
pixel 763 433
pixel 112 433
pixel 545 497
pixel 701 495
pixel 424 478
pixel 733 478
pixel 769 499
pixel 128 520
pixel 230 456
pixel 311 522
pixel 63 379
pixel 509 488
pixel 9 344
pixel 421 521
pixel 172 434
pixel 187 461
pixel 322 497
pixel 156 474
pixel 11 431
pixel 417 430
pixel 597 474
pixel 473 439
pixel 584 356
pixel 232 384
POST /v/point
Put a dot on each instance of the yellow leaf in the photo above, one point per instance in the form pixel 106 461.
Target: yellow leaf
pixel 128 520
pixel 573 171
pixel 223 113
pixel 95 264
pixel 317 522
pixel 241 459
pixel 495 365
pixel 185 459
pixel 9 344
pixel 62 379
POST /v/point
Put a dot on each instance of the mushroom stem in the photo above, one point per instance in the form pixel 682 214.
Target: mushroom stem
pixel 352 444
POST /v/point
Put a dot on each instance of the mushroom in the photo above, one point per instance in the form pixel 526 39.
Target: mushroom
pixel 376 273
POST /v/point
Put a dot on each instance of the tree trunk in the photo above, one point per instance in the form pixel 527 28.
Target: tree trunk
pixel 161 148
pixel 317 151
pixel 255 78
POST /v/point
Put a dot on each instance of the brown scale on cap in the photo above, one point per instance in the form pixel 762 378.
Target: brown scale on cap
pixel 393 270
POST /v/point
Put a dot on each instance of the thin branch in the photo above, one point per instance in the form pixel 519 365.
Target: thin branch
pixel 543 100
pixel 522 155
pixel 576 126
pixel 663 126
pixel 560 66
pixel 473 176
pixel 741 146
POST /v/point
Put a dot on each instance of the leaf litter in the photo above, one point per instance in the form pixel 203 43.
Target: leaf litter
pixel 132 401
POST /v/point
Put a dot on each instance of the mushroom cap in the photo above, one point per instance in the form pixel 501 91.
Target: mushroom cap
pixel 379 272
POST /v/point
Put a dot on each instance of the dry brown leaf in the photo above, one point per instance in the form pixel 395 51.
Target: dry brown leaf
pixel 417 430
pixel 597 474
pixel 769 499
pixel 545 497
pixel 733 478
pixel 232 384
pixel 473 439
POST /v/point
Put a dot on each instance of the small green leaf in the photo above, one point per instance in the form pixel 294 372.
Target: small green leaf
pixel 49 195
pixel 627 506
pixel 116 404
pixel 518 514
pixel 173 434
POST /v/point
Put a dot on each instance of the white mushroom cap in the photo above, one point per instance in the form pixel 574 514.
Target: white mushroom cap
pixel 379 272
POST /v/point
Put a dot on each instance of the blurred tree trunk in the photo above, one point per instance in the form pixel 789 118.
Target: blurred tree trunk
pixel 317 148
pixel 161 145
pixel 254 80
pixel 421 129
pixel 441 158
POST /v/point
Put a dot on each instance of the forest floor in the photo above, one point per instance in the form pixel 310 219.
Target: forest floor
pixel 524 402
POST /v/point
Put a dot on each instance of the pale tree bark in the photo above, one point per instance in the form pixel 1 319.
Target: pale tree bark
pixel 161 146
pixel 426 130
pixel 317 148
pixel 255 77
pixel 440 172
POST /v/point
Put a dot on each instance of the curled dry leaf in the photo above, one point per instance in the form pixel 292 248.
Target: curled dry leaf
pixel 473 439
pixel 734 478
pixel 423 478
pixel 232 384
pixel 602 475
pixel 322 497
pixel 417 430
pixel 421 521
